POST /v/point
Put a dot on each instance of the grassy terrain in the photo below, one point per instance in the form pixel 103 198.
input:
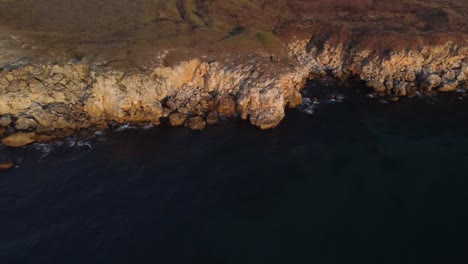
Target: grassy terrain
pixel 123 29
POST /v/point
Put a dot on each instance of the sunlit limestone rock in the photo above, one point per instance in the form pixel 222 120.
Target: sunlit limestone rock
pixel 196 123
pixel 53 100
pixel 212 118
pixel 5 120
pixel 39 102
pixel 19 139
pixel 25 123
pixel 177 119
pixel 441 67
pixel 448 86
pixel 432 81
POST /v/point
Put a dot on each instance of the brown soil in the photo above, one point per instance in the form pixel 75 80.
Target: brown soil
pixel 133 31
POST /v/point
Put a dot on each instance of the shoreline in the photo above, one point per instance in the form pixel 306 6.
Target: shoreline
pixel 193 63
pixel 324 106
pixel 40 102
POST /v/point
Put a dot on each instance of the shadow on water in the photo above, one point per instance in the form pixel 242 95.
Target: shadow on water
pixel 357 182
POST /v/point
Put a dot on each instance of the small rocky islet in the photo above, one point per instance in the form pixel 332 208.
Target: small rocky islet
pixel 193 70
pixel 6 165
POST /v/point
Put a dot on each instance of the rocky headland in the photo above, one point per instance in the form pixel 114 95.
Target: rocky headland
pixel 193 63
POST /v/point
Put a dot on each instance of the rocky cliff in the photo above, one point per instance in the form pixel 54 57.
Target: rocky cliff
pixel 393 73
pixel 69 78
pixel 39 102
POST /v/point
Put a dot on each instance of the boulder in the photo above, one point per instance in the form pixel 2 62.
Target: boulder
pixel 5 120
pixel 44 117
pixel 400 89
pixel 461 77
pixel 450 75
pixel 196 123
pixel 377 86
pixel 212 118
pixel 431 82
pixel 19 139
pixel 267 118
pixel 24 123
pixel 448 86
pixel 177 119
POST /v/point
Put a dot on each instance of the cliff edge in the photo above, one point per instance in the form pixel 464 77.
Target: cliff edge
pixel 72 66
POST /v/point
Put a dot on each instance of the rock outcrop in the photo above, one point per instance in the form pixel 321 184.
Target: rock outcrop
pixel 406 72
pixel 193 63
pixel 40 102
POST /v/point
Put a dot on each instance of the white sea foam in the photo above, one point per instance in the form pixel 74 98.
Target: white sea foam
pixel 129 126
pixel 309 106
pixel 44 148
pixel 100 133
pixel 306 100
pixel 148 126
pixel 70 142
pixel 124 127
pixel 336 98
pixel 340 97
pixel 86 144
pixel 309 111
pixel 460 90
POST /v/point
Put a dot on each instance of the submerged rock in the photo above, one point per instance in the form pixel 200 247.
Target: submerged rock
pixel 6 165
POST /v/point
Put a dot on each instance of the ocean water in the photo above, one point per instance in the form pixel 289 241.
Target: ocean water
pixel 346 180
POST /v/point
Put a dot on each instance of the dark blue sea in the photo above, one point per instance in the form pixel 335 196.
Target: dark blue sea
pixel 349 180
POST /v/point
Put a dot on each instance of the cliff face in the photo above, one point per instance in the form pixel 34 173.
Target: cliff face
pixel 40 102
pixel 393 73
pixel 192 63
